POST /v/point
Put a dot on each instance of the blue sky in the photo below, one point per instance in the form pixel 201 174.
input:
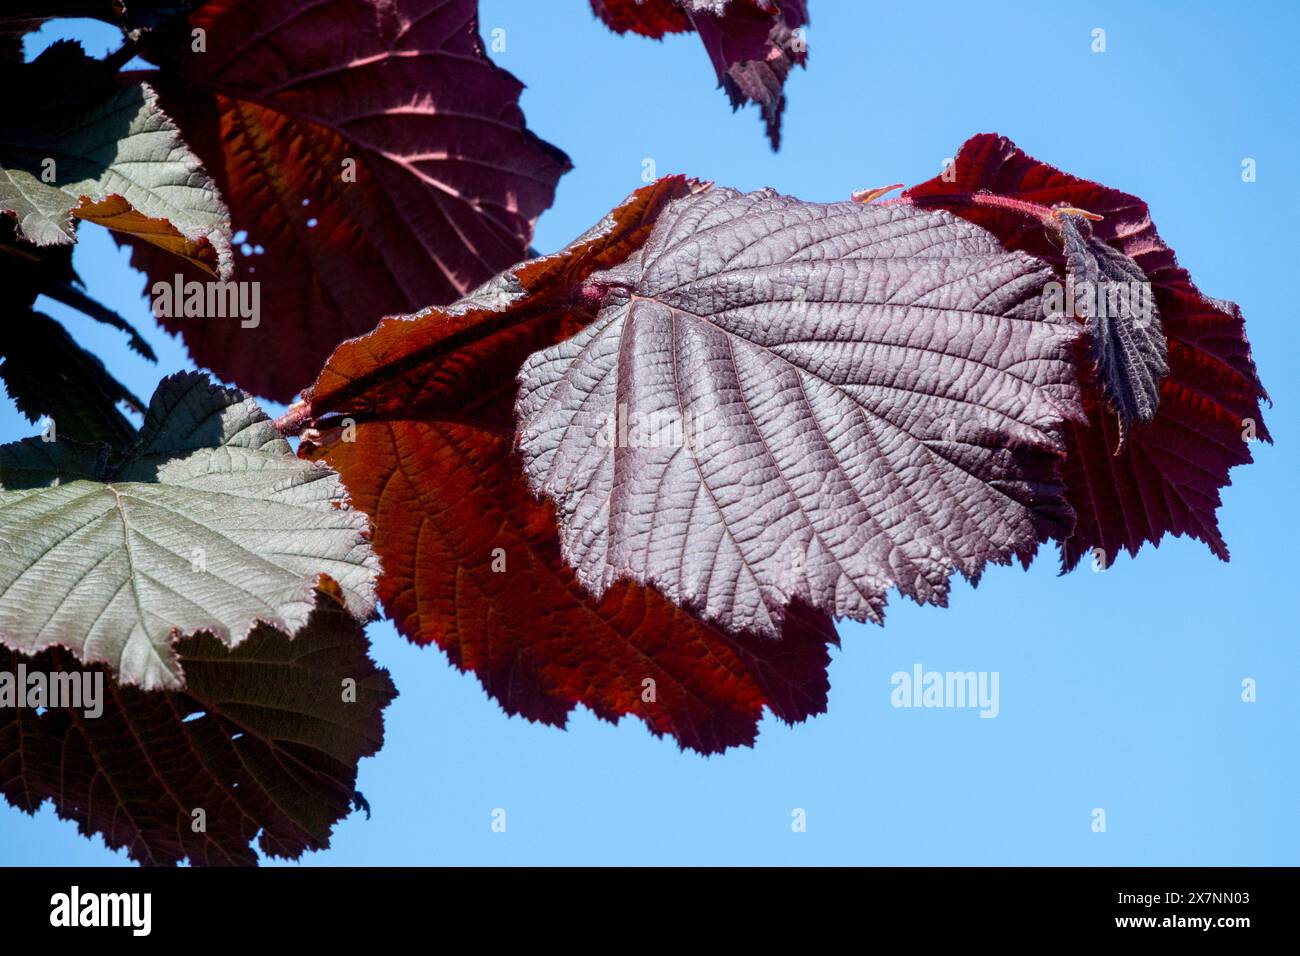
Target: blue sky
pixel 1119 690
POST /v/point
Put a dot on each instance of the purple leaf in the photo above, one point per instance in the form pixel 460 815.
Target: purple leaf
pixel 753 44
pixel 782 401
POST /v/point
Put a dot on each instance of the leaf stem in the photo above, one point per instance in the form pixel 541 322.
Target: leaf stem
pixel 295 419
pixel 1045 214
pixel 121 56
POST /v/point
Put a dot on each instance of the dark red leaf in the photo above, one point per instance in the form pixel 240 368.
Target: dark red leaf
pixel 262 740
pixel 650 18
pixel 471 560
pixel 753 43
pixel 447 503
pixel 293 97
pixel 1168 475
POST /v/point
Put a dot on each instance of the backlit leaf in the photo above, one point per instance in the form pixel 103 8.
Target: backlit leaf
pixel 472 563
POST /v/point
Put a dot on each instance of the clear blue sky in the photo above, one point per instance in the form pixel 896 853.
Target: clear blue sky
pixel 1118 690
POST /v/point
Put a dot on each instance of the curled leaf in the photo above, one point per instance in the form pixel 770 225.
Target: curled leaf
pixel 104 151
pixel 1125 339
pixel 753 44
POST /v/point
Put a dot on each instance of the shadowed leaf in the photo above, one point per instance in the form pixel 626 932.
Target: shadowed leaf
pixel 96 149
pixel 262 741
pixel 44 371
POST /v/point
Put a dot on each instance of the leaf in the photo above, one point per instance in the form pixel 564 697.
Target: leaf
pixel 45 372
pixel 94 149
pixel 28 271
pixel 753 44
pixel 1125 340
pixel 20 17
pixel 376 158
pixel 130 14
pixel 650 18
pixel 262 741
pixel 472 563
pixel 1169 472
pixel 822 401
pixel 210 523
pixel 471 560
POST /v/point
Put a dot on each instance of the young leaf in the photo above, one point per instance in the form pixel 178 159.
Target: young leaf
pixel 209 523
pixel 263 744
pixel 823 401
pixel 376 158
pixel 1167 476
pixel 471 560
pixel 753 44
pixel 94 149
pixel 1125 340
